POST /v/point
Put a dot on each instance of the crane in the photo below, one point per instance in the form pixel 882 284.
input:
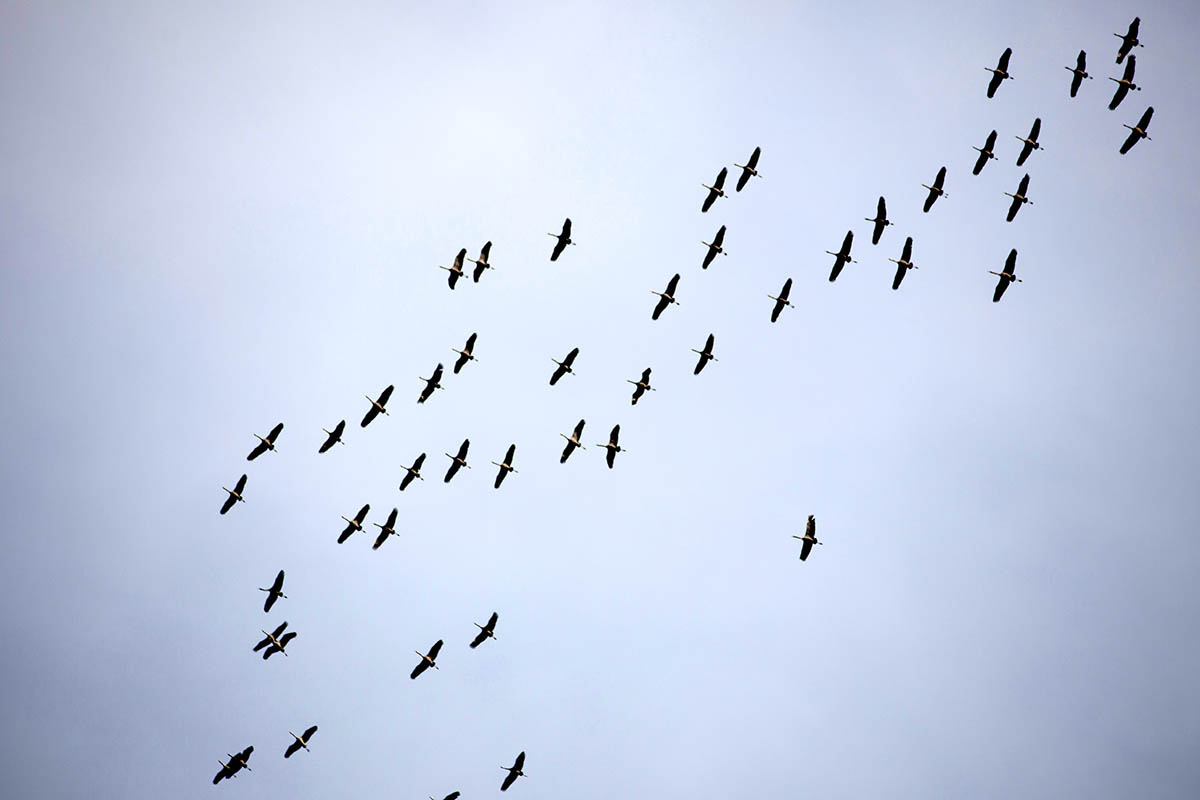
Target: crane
pixel 466 354
pixel 274 642
pixel 880 220
pixel 780 302
pixel 458 461
pixel 486 632
pixel 1007 276
pixel 377 406
pixel 564 239
pixel 666 298
pixel 640 387
pixel 985 153
pixel 333 437
pixel 236 763
pixel 1019 199
pixel 809 538
pixel 505 466
pixel 613 447
pixel 235 495
pixel 385 530
pixel 714 247
pixel 748 169
pixel 432 383
pixel 572 442
pixel 427 661
pixel 481 263
pixel 451 796
pixel 564 366
pixel 301 741
pixel 840 259
pixel 706 354
pixel 356 524
pixel 1000 73
pixel 716 190
pixel 412 473
pixel 274 593
pixel 514 772
pixel 1030 142
pixel 1078 72
pixel 936 190
pixel 1129 40
pixel 1125 84
pixel 903 264
pixel 265 443
pixel 456 271
pixel 1138 132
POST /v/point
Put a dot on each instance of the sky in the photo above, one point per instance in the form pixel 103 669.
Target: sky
pixel 220 216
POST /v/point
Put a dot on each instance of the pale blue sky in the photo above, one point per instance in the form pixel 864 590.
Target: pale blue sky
pixel 215 218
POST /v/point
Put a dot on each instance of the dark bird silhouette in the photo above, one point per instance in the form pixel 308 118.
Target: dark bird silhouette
pixel 356 524
pixel 748 169
pixel 1138 132
pixel 986 153
pixel 840 259
pixel 565 366
pixel 1129 40
pixel 572 442
pixel 1006 277
pixel 1019 199
pixel 377 406
pixel 432 383
pixel 780 302
pixel 1030 143
pixel 514 772
pixel 505 466
pixel 1000 73
pixel 455 271
pixel 301 741
pixel 485 631
pixel 613 447
pixel 481 263
pixel 385 530
pixel 451 796
pixel 427 661
pixel 706 354
pixel 1078 72
pixel 714 247
pixel 936 190
pixel 880 221
pixel 274 642
pixel 265 443
pixel 1125 84
pixel 333 437
pixel 640 387
pixel 564 239
pixel 412 473
pixel 716 190
pixel 809 538
pixel 275 592
pixel 466 354
pixel 235 495
pixel 236 763
pixel 666 298
pixel 458 461
pixel 903 264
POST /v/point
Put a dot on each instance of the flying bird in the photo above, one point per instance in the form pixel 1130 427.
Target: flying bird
pixel 716 190
pixel 612 447
pixel 356 524
pixel 706 354
pixel 427 661
pixel 236 763
pixel 840 259
pixel 666 298
pixel 1138 132
pixel 265 443
pixel 564 366
pixel 385 530
pixel 572 442
pixel 985 153
pixel 274 593
pixel 451 796
pixel 1007 276
pixel 1124 84
pixel 301 741
pixel 432 383
pixel 514 772
pixel 485 631
pixel 1030 142
pixel 235 495
pixel 1129 40
pixel 1019 199
pixel 377 406
pixel 1079 72
pixel 274 642
pixel 334 436
pixel 455 271
pixel 903 264
pixel 809 538
pixel 780 302
pixel 714 247
pixel 748 169
pixel 936 190
pixel 564 239
pixel 466 354
pixel 880 220
pixel 640 387
pixel 481 263
pixel 1000 73
pixel 505 466
pixel 412 473
pixel 458 461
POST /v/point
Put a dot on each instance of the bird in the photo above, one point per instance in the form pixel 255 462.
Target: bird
pixel 1030 142
pixel 1007 276
pixel 458 461
pixel 265 443
pixel 505 466
pixel 936 190
pixel 274 642
pixel 840 259
pixel 412 473
pixel 573 441
pixel 564 239
pixel 514 772
pixel 356 524
pixel 1000 73
pixel 666 298
pixel 432 383
pixel 481 263
pixel 485 631
pixel 301 741
pixel 235 494
pixel 1124 84
pixel 748 169
pixel 377 406
pixel 1138 132
pixel 985 153
pixel 466 354
pixel 640 387
pixel 809 538
pixel 780 302
pixel 334 436
pixel 564 366
pixel 716 190
pixel 1018 199
pixel 1129 40
pixel 427 661
pixel 236 763
pixel 385 530
pixel 903 264
pixel 451 796
pixel 881 221
pixel 456 271
pixel 612 447
pixel 274 593
pixel 714 247
pixel 706 354
pixel 1078 72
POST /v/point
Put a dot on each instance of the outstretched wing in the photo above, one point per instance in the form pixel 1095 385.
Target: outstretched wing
pixel 579 428
pixel 847 243
pixel 753 162
pixel 462 449
pixel 362 513
pixel 615 435
pixel 333 437
pixel 1035 129
pixel 462 360
pixel 257 451
pixel 1081 61
pixel 508 456
pixel 1013 208
pixel 932 196
pixel 1001 286
pixel 1142 125
pixel 1024 185
pixel 659 307
pixel 940 180
pixel 559 371
pixel 451 472
pixel 419 668
pixel 1002 64
pixel 646 375
pixel 1010 263
pixel 900 270
pixel 385 395
pixel 979 162
pixel 559 246
pixel 570 359
pixel 566 228
pixel 673 284
pixel 709 199
pixel 508 781
pixel 907 254
pixel 784 293
pixel 519 764
pixel 479 639
pixel 994 84
pixel 230 502
pixel 566 453
pixel 720 182
pixel 807 546
pixel 708 344
pixel 719 239
pixel 437 648
pixel 274 434
pixel 292 748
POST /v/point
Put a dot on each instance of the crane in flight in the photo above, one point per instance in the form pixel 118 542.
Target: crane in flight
pixel 274 592
pixel 432 383
pixel 1129 40
pixel 505 466
pixel 1125 84
pixel 1007 276
pixel 412 473
pixel 985 153
pixel 563 238
pixel 880 220
pixel 936 190
pixel 840 258
pixel 748 169
pixel 466 354
pixel 356 524
pixel 486 632
pixel 456 271
pixel 514 772
pixel 1078 72
pixel 780 302
pixel 1138 132
pixel 666 298
pixel 573 441
pixel 235 494
pixel 385 530
pixel 427 660
pixel 613 447
pixel 458 461
pixel 716 190
pixel 1019 199
pixel 1000 73
pixel 377 406
pixel 706 354
pixel 640 387
pixel 565 366
pixel 1030 142
pixel 301 741
pixel 481 263
pixel 333 437
pixel 236 763
pixel 717 245
pixel 809 538
pixel 265 443
pixel 903 264
pixel 274 641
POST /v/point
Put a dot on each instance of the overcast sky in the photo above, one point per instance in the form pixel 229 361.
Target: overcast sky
pixel 219 216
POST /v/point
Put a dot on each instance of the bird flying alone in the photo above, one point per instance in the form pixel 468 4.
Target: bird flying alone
pixel 748 169
pixel 274 592
pixel 514 772
pixel 1138 132
pixel 485 631
pixel 809 538
pixel 427 660
pixel 1006 277
pixel 412 473
pixel 265 443
pixel 466 354
pixel 563 238
pixel 903 264
pixel 565 366
pixel 999 74
pixel 301 741
pixel 716 190
pixel 706 354
pixel 235 495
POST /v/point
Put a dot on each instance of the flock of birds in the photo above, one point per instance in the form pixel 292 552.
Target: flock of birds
pixel 277 640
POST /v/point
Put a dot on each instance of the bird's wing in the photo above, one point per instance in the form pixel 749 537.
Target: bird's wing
pixel 614 435
pixel 579 428
pixel 610 456
pixel 492 620
pixel 1001 286
pixel 419 668
pixel 1036 129
pixel 881 209
pixel 784 293
pixel 462 449
pixel 416 465
pixel 559 371
pixel 907 254
pixel 229 503
pixel 508 457
pixel 391 520
pixel 753 162
pixel 292 748
pixel 470 348
pixel 1081 61
pixel 810 527
pixel 1013 208
pixel 558 248
pixel 458 259
pixel 566 229
pixel 847 243
pixel 486 252
pixel 437 374
pixel 287 637
pixel 719 239
pixel 1130 65
pixel 437 648
pixel 277 586
pixel 257 451
pixel 1024 185
pixel 991 141
pixel 708 200
pixel 385 394
pixel 274 434
pixel 699 365
pixel 570 359
pixel 720 182
pixel 673 284
pixel 646 375
pixel 508 781
pixel 994 84
pixel 708 344
pixel 460 363
pixel 478 640
pixel 1143 124
pixel 271 598
pixel 941 178
pixel 1133 28
pixel 979 162
pixel 566 453
pixel 280 629
pixel 450 473
pixel 932 196
pixel 371 414
pixel 900 270
pixel 266 641
pixel 362 513
pixel 519 764
pixel 1003 63
pixel 806 549
pixel 659 307
pixel 1010 263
